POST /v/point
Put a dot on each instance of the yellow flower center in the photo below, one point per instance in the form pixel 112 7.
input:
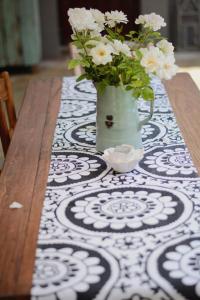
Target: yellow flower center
pixel 102 53
pixel 151 61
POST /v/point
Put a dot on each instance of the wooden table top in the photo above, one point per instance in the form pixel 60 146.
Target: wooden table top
pixel 25 172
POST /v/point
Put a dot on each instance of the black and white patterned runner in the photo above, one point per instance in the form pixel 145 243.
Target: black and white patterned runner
pixel 110 236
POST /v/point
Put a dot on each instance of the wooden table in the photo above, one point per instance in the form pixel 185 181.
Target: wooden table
pixel 26 168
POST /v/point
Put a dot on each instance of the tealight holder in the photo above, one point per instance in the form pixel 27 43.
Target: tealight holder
pixel 123 158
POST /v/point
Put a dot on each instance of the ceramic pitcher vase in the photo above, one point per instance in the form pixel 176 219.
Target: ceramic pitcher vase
pixel 117 119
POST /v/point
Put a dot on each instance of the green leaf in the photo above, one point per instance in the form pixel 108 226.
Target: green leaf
pixel 78 44
pixel 81 77
pixel 85 63
pixel 101 86
pixel 90 46
pixel 147 93
pixel 139 54
pixel 73 63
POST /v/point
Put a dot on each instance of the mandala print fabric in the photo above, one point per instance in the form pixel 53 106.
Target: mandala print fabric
pixel 110 236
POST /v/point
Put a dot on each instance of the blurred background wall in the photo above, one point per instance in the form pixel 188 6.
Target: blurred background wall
pixel 35 30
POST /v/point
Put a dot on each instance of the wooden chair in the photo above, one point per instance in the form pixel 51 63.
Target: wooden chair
pixel 7 111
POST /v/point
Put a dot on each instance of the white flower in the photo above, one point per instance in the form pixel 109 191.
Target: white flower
pixel 115 17
pixel 153 21
pixel 151 59
pixel 101 54
pixel 120 47
pixel 167 69
pixel 166 47
pixel 99 18
pixel 82 19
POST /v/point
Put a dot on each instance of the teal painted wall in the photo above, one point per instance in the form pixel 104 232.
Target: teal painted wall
pixel 20 38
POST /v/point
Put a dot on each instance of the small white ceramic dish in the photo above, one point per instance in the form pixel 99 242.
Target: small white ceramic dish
pixel 123 158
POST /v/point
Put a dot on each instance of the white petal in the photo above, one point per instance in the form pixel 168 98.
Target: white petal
pixel 81 287
pixel 75 176
pixel 92 279
pixel 88 220
pixel 135 224
pixel 80 215
pixel 195 244
pixel 77 209
pixel 155 195
pixel 100 224
pixel 173 255
pixel 171 265
pixel 96 270
pixel 186 171
pixel 151 221
pixel 169 211
pixel 81 203
pixel 91 261
pixel 81 254
pixel 117 225
pixel 85 173
pixel 189 280
pixel 172 172
pixel 183 248
pixel 177 274
pixel 60 179
pixel 162 217
pixel 65 294
pixel 165 198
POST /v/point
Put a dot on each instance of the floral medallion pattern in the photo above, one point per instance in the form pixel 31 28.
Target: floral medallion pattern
pixel 71 168
pixel 124 210
pixel 172 161
pixel 111 236
pixel 76 108
pixel 76 270
pixel 179 262
pixel 85 134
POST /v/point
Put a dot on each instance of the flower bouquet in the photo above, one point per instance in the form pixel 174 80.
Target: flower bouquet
pixel 121 67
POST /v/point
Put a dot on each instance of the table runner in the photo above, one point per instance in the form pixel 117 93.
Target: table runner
pixel 105 235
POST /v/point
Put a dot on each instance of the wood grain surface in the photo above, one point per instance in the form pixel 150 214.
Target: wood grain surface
pixel 185 100
pixel 26 169
pixel 23 179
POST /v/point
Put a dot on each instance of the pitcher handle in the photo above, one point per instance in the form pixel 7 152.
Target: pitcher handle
pixel 146 120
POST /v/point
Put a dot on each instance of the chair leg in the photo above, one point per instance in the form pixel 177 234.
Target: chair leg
pixel 10 104
pixel 4 132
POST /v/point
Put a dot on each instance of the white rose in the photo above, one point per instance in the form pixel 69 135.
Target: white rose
pixel 101 54
pixel 99 18
pixel 81 19
pixel 153 21
pixel 151 58
pixel 120 47
pixel 115 17
pixel 166 47
pixel 167 69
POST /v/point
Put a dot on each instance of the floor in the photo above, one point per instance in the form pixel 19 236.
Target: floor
pixel 188 62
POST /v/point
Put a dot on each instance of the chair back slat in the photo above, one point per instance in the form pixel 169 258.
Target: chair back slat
pixel 7 111
pixel 4 131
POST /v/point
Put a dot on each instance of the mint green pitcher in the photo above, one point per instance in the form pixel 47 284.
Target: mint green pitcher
pixel 117 119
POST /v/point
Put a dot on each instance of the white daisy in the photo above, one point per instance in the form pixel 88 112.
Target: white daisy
pixel 166 47
pixel 153 21
pixel 101 54
pixel 120 47
pixel 115 17
pixel 82 19
pixel 151 58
